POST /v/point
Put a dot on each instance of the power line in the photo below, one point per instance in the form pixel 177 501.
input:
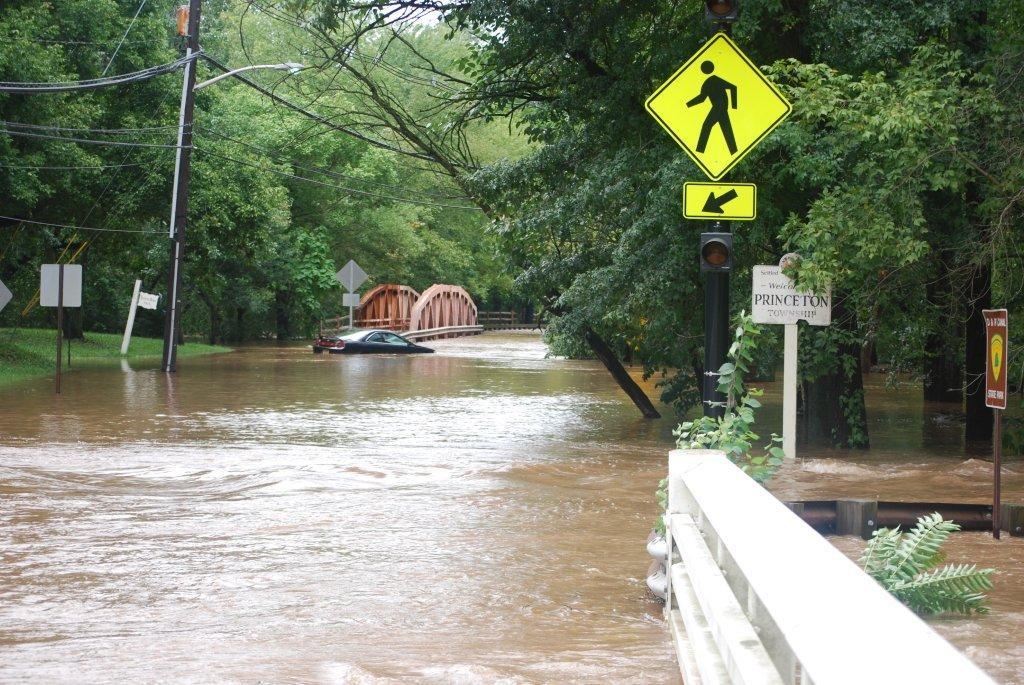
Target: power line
pixel 317 117
pixel 355 191
pixel 92 84
pixel 118 48
pixel 54 41
pixel 77 228
pixel 106 131
pixel 70 167
pixel 66 139
pixel 327 172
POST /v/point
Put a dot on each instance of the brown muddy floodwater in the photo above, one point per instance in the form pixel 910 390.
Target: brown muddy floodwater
pixel 477 515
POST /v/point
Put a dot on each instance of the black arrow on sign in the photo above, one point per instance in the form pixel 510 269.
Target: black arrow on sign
pixel 714 204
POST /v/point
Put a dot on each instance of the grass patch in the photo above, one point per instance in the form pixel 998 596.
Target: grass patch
pixel 29 352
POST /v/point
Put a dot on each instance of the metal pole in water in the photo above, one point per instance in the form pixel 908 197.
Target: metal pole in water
pixel 60 319
pixel 997 458
pixel 716 332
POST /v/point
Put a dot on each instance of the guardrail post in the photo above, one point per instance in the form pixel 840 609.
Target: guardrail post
pixel 856 517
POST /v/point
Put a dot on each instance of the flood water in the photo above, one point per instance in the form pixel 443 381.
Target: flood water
pixel 477 515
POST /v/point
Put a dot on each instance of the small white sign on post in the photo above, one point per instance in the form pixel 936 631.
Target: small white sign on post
pixel 777 301
pixel 148 300
pixel 49 277
pixel 350 300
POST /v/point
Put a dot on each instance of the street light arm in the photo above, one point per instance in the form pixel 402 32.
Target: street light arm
pixel 287 66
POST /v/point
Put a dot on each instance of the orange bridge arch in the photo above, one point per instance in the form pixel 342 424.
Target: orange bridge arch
pixel 387 306
pixel 443 305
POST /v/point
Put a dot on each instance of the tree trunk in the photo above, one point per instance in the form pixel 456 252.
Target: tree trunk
pixel 284 324
pixel 834 400
pixel 943 377
pixel 615 368
pixel 979 417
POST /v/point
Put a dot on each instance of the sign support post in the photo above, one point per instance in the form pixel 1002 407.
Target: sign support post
pixel 997 468
pixel 775 300
pixel 60 320
pixel 789 390
pixel 716 332
pixel 60 286
pixel 131 318
pixel 997 340
pixel 351 309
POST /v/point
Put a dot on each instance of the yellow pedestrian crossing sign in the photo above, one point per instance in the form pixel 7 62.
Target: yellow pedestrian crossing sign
pixel 718 106
pixel 720 201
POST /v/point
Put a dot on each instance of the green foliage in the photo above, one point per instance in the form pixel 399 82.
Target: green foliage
pixel 906 565
pixel 262 246
pixel 733 433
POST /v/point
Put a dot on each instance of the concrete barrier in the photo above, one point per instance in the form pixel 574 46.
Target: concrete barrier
pixel 757 596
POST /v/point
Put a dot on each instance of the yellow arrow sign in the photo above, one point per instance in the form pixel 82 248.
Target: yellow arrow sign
pixel 721 201
pixel 718 106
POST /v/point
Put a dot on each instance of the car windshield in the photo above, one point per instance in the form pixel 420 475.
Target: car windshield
pixel 393 339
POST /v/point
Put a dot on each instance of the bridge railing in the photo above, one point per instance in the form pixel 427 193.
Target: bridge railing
pixel 389 324
pixel 757 596
pixel 442 332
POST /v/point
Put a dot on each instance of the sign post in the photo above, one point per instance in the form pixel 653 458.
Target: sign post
pixel 351 276
pixel 997 338
pixel 718 107
pixel 777 301
pixel 131 318
pixel 139 299
pixel 60 285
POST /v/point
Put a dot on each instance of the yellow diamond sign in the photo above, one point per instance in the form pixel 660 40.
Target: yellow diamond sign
pixel 718 106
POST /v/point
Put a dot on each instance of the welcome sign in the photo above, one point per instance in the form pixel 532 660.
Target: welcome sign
pixel 776 300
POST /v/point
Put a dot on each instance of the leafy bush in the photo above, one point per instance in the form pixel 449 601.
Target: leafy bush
pixel 905 565
pixel 732 433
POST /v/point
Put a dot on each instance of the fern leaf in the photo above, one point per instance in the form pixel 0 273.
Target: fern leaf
pixel 880 551
pixel 921 548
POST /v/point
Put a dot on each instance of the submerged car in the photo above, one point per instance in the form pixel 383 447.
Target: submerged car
pixel 368 342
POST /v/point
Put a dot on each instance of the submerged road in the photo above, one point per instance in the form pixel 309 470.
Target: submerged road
pixel 473 515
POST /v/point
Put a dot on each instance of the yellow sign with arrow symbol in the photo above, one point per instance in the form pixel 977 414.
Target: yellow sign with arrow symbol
pixel 720 201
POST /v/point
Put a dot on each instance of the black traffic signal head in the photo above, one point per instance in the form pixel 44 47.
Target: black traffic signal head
pixel 716 252
pixel 721 11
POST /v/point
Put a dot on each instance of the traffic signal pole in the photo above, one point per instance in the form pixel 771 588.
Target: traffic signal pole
pixel 179 198
pixel 716 332
pixel 716 286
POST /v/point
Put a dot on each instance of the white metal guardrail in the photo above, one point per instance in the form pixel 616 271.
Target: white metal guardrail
pixel 756 596
pixel 430 333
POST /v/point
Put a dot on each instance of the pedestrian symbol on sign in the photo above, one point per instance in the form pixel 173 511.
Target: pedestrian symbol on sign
pixel 717 90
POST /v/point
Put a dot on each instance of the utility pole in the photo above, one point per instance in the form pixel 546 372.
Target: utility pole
pixel 179 197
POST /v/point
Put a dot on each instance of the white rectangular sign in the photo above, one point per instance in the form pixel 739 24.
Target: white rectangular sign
pixel 148 300
pixel 350 300
pixel 776 300
pixel 48 288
